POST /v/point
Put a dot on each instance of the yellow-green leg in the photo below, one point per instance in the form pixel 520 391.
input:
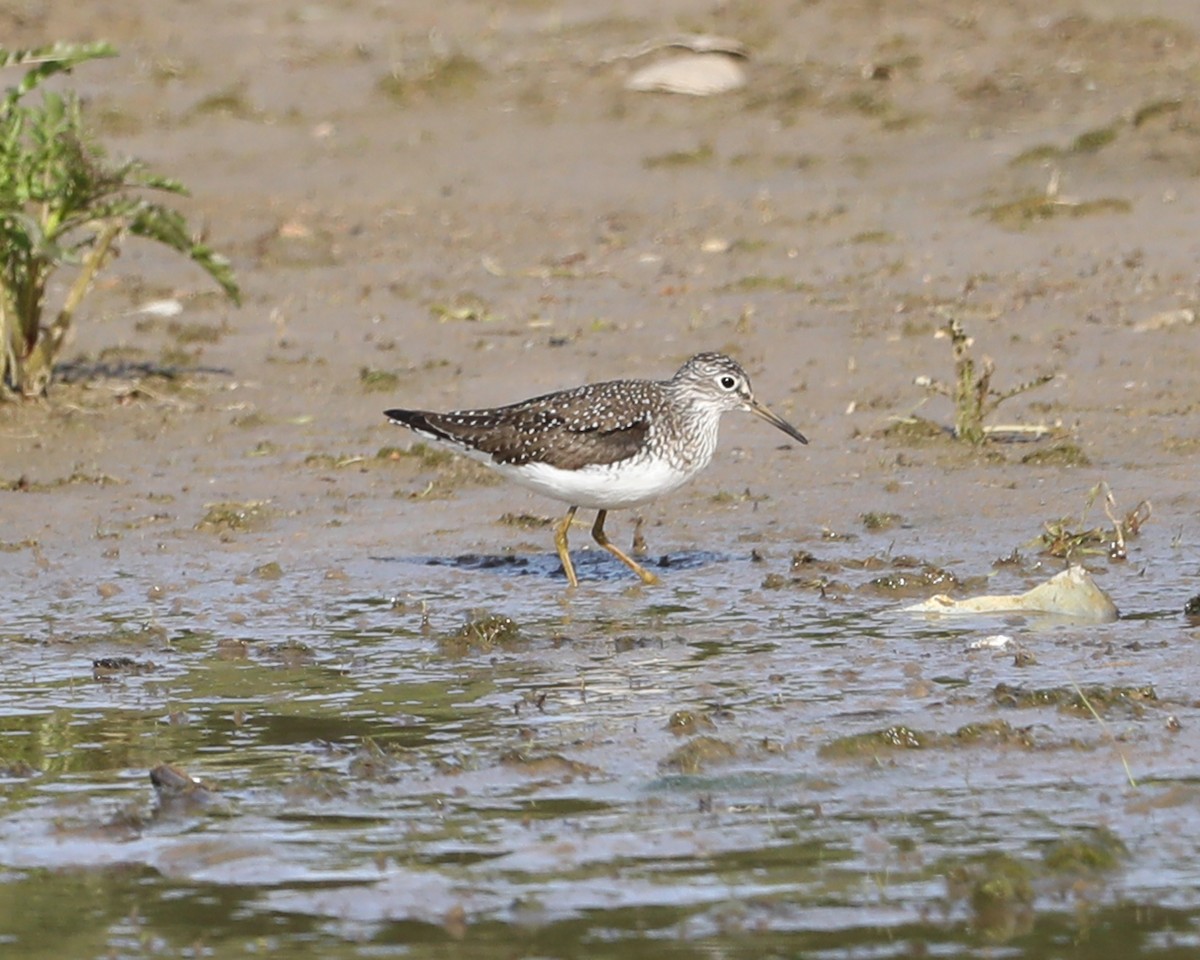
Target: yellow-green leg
pixel 560 543
pixel 600 538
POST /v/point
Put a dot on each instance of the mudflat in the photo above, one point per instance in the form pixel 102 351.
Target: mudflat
pixel 459 204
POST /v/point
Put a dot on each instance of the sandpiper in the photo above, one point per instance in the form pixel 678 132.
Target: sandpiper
pixel 604 446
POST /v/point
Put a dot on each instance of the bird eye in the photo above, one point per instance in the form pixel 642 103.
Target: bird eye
pixel 728 382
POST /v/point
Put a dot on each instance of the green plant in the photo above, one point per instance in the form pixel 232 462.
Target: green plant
pixel 972 393
pixel 63 203
pixel 1072 539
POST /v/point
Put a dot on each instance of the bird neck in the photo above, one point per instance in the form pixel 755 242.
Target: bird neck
pixel 690 438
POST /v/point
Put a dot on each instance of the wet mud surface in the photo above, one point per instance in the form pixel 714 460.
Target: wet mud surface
pixel 391 730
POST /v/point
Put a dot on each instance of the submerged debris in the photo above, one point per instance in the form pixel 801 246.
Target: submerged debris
pixel 1072 593
pixel 872 742
pixel 370 762
pixel 271 570
pixel 688 722
pixel 698 754
pixel 482 633
pixel 178 791
pixel 1092 700
pixel 890 739
pixel 550 766
pixel 109 668
pixel 999 889
pixel 914 581
pixel 1097 850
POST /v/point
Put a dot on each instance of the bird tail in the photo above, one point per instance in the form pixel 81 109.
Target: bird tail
pixel 418 421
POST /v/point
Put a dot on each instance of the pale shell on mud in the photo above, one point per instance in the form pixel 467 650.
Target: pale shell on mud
pixel 169 307
pixel 695 42
pixel 1167 318
pixel 1071 593
pixel 698 75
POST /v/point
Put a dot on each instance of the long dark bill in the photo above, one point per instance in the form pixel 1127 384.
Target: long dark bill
pixel 775 420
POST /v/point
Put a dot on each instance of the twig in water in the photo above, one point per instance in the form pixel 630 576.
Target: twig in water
pixel 1108 733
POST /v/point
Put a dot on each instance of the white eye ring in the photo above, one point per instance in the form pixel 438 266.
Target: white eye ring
pixel 728 382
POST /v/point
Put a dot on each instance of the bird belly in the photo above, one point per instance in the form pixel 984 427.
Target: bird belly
pixel 627 483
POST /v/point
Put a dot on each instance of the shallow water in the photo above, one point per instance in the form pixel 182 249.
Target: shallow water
pixel 632 771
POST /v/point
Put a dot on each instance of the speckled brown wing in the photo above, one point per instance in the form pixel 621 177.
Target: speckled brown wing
pixel 599 424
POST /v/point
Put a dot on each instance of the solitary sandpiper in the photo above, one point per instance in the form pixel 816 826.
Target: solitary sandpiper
pixel 605 445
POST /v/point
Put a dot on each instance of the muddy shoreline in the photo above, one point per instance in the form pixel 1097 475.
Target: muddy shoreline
pixel 461 206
